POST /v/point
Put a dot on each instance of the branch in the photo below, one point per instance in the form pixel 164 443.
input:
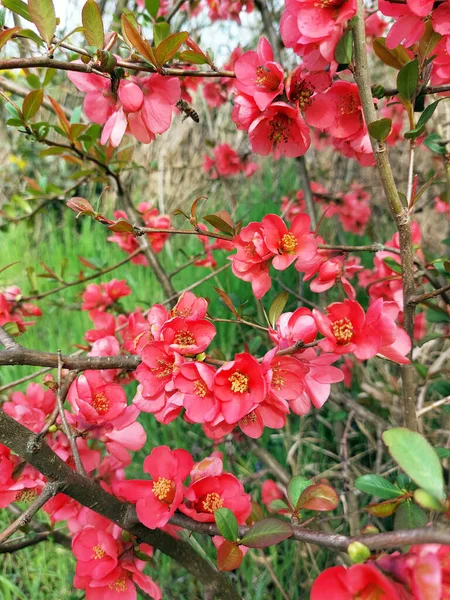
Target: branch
pixel 80 281
pixel 400 214
pixel 21 441
pixel 435 89
pixel 61 65
pixel 50 490
pixel 175 8
pixel 423 297
pixel 37 538
pixel 7 341
pixel 198 232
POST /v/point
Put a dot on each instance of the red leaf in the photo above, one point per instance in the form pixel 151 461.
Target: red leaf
pixel 267 532
pixel 318 496
pixel 229 556
pixel 122 226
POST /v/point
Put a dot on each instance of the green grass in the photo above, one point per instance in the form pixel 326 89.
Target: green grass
pixel 45 572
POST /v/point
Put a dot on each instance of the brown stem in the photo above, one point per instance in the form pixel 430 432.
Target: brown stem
pixel 61 65
pixel 80 281
pixel 400 214
pixel 423 297
pixel 197 232
pixel 89 493
pixel 175 8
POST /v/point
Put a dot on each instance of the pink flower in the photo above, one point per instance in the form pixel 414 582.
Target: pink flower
pixel 239 385
pixel 94 400
pixel 318 20
pixel 294 327
pixel 189 307
pixel 409 25
pixel 279 130
pixel 257 75
pixel 157 500
pixel 302 84
pixel 347 329
pixel 196 381
pixel 208 493
pixel 188 337
pixel 31 409
pixel 288 245
pixel 96 553
pixel 105 294
pixel 245 111
pixel 285 376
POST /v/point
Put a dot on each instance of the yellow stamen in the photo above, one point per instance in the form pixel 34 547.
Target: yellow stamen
pixel 239 382
pixel 343 331
pixel 212 502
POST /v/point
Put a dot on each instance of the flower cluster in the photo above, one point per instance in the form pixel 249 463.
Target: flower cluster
pixel 151 218
pixel 228 9
pixel 13 310
pixel 142 106
pixel 228 162
pixel 423 572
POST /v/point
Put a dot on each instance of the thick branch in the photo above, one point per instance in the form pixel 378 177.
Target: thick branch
pixel 400 214
pixel 21 441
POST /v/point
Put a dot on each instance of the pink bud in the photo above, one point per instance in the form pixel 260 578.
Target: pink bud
pixel 131 97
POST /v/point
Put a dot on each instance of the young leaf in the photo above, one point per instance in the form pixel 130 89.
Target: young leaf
pixel 409 516
pixel 318 496
pixel 122 226
pixel 152 7
pixel 417 458
pixel 43 15
pixel 227 524
pixel 229 556
pixel 408 79
pixel 380 129
pixel 397 57
pixel 277 505
pixel 218 222
pixel 296 486
pixel 196 58
pixel 277 307
pixel 160 31
pixel 433 143
pixel 18 7
pixel 11 328
pixel 377 486
pixel 267 532
pixel 32 103
pixel 385 508
pixel 93 24
pixel 64 122
pixel 170 46
pixel 423 499
pixel 227 301
pixel 5 36
pixel 133 36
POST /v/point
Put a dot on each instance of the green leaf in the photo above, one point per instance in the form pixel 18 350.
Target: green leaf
pixel 160 31
pixel 11 328
pixel 423 119
pixel 18 7
pixel 380 129
pixel 442 452
pixel 227 524
pixel 377 486
pixel 196 58
pixel 152 7
pixel 344 49
pixel 392 264
pixel 432 142
pixel 2 16
pixel 93 24
pixel 277 307
pixel 446 241
pixel 408 79
pixel 43 15
pixel 32 103
pixel 170 46
pixel 216 221
pixel 277 505
pixel 267 532
pixel 409 516
pixel 385 508
pixel 296 486
pixel 425 500
pixel 32 35
pixel 417 458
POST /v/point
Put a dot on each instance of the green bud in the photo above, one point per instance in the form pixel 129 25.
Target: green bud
pixel 358 552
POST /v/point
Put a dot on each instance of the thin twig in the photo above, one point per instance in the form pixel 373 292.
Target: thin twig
pixel 48 492
pixel 66 427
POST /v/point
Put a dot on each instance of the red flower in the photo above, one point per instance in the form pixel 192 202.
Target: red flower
pixel 157 500
pixel 188 337
pixel 239 385
pixel 211 492
pixel 364 582
pixel 195 381
pixel 94 400
pixel 288 245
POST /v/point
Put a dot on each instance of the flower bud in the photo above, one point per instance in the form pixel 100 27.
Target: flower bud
pixel 358 552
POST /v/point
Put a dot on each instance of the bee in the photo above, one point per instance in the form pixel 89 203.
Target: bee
pixel 188 111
